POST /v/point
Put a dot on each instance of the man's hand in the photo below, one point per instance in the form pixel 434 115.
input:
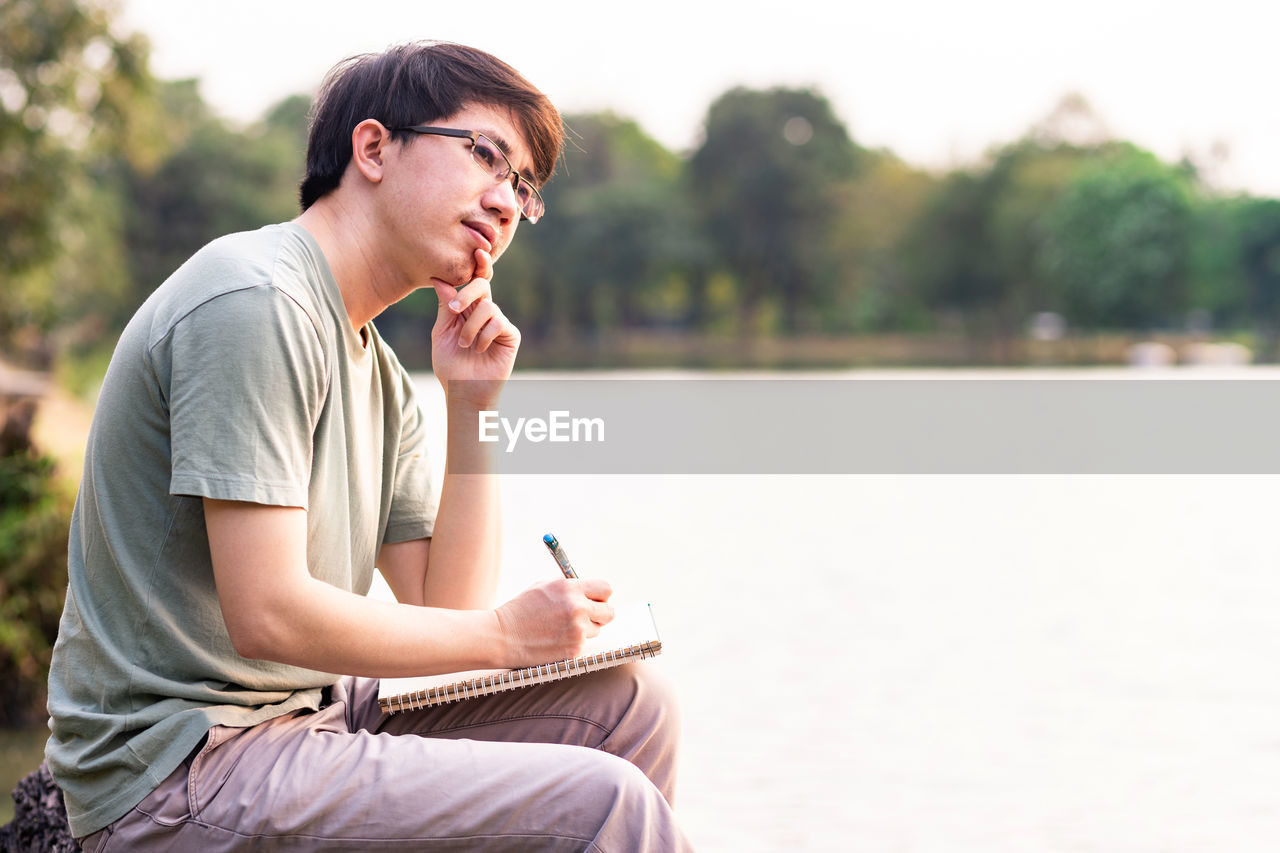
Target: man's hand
pixel 472 338
pixel 551 620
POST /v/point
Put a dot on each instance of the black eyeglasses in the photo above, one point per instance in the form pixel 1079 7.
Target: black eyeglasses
pixel 488 156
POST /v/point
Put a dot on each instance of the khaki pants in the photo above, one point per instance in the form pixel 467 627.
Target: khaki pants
pixel 583 764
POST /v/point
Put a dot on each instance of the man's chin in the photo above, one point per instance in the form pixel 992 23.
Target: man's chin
pixel 456 280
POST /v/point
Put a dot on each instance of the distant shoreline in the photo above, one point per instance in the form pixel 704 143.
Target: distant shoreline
pixel 674 349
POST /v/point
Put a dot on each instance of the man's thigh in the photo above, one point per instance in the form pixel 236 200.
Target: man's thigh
pixel 323 781
pixel 629 711
pixel 299 788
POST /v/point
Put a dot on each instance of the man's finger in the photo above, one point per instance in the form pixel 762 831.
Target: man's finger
pixel 595 589
pixel 601 614
pixel 447 294
pixel 484 265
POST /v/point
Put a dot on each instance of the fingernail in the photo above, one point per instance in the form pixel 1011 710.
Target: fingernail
pixel 464 344
pixel 455 305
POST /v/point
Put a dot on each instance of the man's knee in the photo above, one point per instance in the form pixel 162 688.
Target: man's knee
pixel 647 730
pixel 615 779
pixel 655 699
pixel 630 812
pixel 641 700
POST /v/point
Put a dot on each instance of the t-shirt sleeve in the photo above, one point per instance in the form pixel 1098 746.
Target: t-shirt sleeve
pixel 246 378
pixel 415 496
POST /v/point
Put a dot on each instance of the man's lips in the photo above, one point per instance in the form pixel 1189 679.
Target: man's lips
pixel 484 232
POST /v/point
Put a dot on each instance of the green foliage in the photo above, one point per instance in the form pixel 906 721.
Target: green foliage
pixel 767 182
pixel 214 180
pixel 876 212
pixel 1116 243
pixel 33 578
pixel 1258 226
pixel 975 248
pixel 1218 288
pixel 1259 229
pixel 69 96
pixel 626 219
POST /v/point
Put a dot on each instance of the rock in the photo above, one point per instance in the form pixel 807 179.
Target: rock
pixel 1151 354
pixel 1217 354
pixel 39 818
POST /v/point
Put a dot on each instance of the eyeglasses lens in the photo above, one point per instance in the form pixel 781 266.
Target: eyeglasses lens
pixel 490 157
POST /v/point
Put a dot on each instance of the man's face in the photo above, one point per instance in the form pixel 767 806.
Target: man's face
pixel 442 206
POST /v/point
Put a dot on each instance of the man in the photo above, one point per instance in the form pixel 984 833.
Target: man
pixel 257 448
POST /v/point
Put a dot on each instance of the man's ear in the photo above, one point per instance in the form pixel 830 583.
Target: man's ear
pixel 369 141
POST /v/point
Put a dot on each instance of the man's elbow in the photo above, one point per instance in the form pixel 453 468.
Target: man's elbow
pixel 258 637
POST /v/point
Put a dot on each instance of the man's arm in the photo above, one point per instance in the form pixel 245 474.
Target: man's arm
pixel 473 349
pixel 275 610
pixel 458 567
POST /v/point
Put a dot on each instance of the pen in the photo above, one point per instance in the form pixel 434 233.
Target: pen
pixel 562 559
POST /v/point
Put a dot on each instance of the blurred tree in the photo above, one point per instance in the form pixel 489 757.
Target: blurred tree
pixel 1072 121
pixel 1217 287
pixel 216 180
pixel 1259 230
pixel 72 100
pixel 767 181
pixel 1116 249
pixel 70 87
pixel 285 127
pixel 974 249
pixel 597 254
pixel 876 211
pixel 1064 219
pixel 620 226
pixel 33 579
pixel 943 256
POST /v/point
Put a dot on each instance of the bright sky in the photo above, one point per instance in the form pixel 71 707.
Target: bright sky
pixel 936 81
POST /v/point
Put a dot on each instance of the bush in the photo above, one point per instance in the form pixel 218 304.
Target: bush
pixel 34 521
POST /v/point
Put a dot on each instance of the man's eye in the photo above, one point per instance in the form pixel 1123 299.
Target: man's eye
pixel 485 154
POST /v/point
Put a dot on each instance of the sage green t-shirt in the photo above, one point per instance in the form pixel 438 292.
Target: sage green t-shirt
pixel 239 379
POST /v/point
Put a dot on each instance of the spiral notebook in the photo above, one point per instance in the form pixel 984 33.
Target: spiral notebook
pixel 631 636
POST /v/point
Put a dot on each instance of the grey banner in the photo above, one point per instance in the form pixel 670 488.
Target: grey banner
pixel 885 426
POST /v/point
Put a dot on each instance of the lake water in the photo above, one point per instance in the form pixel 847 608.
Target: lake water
pixel 948 663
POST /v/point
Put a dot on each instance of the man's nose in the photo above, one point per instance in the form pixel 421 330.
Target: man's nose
pixel 501 198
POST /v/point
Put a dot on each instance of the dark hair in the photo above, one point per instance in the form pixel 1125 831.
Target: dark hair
pixel 419 83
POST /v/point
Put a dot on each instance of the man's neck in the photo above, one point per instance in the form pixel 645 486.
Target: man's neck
pixel 342 235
